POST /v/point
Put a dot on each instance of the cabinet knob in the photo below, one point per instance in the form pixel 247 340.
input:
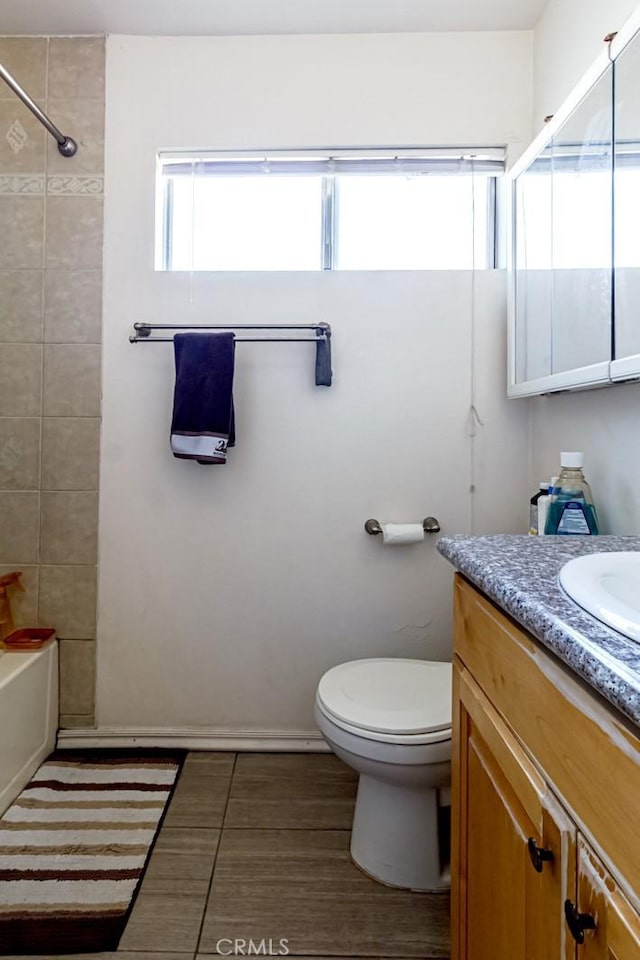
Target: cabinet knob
pixel 538 855
pixel 577 922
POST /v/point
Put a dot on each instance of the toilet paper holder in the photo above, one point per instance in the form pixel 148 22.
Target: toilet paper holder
pixel 429 525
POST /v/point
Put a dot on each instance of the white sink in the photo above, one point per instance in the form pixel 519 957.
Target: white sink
pixel 607 585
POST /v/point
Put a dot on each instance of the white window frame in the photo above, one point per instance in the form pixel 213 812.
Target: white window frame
pixel 487 161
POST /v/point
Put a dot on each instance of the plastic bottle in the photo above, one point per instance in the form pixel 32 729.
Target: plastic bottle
pixel 534 529
pixel 571 508
pixel 543 506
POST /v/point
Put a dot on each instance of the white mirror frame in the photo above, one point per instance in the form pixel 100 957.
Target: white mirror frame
pixel 626 368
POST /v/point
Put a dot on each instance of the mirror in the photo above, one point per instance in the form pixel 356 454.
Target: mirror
pixel 562 252
pixel 533 268
pixel 627 204
pixel 582 162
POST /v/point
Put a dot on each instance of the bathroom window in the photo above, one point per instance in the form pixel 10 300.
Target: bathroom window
pixel 406 210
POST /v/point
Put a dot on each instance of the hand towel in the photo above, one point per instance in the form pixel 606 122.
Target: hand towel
pixel 202 426
pixel 323 361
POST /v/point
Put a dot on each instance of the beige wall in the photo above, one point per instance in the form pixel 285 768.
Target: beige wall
pixel 50 335
pixel 603 423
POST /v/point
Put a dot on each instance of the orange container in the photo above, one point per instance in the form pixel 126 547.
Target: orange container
pixel 28 638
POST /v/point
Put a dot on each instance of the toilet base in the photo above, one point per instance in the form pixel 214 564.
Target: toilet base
pixel 395 835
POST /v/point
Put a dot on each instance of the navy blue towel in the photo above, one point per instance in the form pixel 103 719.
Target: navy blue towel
pixel 324 372
pixel 202 426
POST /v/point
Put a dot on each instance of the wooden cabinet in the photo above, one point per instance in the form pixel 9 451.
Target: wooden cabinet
pixel 543 774
pixel 515 846
pixel 616 931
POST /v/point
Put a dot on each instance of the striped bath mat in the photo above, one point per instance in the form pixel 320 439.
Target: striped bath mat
pixel 73 848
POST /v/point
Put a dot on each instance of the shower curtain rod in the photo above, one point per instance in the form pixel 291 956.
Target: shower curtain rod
pixel 66 146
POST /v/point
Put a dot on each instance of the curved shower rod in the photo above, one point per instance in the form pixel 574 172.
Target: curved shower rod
pixel 66 146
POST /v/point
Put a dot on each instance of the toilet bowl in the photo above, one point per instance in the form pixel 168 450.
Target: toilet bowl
pixel 390 720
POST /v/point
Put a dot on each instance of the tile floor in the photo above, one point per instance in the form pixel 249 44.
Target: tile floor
pixel 256 847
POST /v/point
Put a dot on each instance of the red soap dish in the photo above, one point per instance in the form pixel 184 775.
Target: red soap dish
pixel 29 638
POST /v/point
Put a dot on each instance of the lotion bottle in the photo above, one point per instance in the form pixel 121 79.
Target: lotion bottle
pixel 543 506
pixel 534 527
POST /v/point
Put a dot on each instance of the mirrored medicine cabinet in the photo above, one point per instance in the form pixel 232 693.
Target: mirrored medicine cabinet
pixel 574 249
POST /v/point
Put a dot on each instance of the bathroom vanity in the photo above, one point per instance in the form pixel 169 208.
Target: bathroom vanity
pixel 545 760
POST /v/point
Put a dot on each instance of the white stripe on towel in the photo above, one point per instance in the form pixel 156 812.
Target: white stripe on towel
pixel 199 446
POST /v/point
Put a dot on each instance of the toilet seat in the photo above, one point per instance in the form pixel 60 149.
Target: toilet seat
pixel 390 700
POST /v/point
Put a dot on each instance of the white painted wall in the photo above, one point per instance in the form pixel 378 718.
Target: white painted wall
pixel 225 592
pixel 602 422
pixel 567 39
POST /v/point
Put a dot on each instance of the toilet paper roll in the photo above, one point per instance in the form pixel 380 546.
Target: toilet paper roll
pixel 395 534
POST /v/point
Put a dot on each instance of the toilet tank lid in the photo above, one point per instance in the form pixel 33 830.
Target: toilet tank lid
pixel 389 695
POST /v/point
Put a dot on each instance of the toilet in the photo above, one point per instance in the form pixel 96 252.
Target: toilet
pixel 390 720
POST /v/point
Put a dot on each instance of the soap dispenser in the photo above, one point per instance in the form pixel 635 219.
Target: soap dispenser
pixel 571 509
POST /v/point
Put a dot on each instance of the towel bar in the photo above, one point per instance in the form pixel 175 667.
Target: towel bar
pixel 322 339
pixel 143 331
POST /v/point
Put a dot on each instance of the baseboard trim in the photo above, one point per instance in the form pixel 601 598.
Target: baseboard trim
pixel 267 741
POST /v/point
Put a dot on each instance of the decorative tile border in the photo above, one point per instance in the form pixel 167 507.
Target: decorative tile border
pixel 75 186
pixel 17 185
pixel 36 185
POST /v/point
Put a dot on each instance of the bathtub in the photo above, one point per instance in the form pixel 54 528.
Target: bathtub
pixel 28 716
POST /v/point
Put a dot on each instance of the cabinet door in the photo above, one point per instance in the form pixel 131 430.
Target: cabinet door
pixel 616 925
pixel 503 908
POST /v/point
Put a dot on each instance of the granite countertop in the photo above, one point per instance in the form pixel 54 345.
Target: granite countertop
pixel 519 573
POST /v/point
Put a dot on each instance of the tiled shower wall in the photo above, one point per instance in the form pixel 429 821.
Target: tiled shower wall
pixel 51 212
